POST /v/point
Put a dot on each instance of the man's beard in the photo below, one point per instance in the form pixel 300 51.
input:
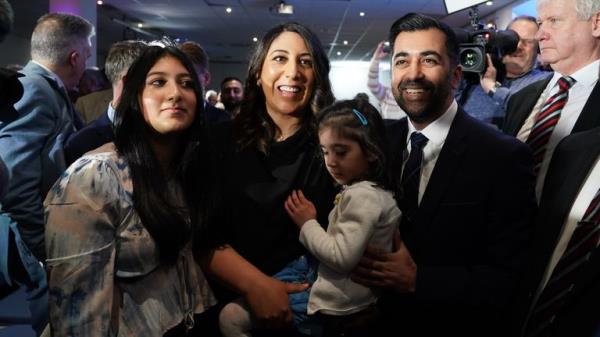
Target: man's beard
pixel 429 109
pixel 232 105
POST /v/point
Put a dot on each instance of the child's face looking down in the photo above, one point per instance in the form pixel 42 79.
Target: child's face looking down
pixel 344 158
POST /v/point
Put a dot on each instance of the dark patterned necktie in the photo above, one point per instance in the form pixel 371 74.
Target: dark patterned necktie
pixel 584 240
pixel 411 177
pixel 546 121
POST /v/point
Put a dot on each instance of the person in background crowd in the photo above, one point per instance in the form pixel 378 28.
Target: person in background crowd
pixel 92 80
pixel 232 94
pixel 212 97
pixel 486 99
pixel 466 195
pixel 274 140
pixel 120 57
pixel 93 95
pixel 200 60
pixel 32 148
pixel 120 221
pixel 387 102
pixel 567 102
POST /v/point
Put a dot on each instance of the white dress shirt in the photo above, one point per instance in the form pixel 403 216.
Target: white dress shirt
pixel 436 132
pixel 110 111
pixel 586 78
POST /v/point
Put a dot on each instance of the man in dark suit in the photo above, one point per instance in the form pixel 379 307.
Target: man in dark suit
pixel 569 40
pixel 572 181
pixel 466 195
pixel 120 57
pixel 199 59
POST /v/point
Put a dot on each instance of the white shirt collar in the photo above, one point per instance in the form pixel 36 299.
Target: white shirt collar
pixel 586 76
pixel 438 130
pixel 111 113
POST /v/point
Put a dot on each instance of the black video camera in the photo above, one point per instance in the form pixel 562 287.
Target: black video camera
pixel 497 43
pixel 476 44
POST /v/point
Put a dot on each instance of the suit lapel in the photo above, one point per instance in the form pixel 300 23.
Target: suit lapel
pixel 562 185
pixel 521 106
pixel 591 272
pixel 443 172
pixel 397 133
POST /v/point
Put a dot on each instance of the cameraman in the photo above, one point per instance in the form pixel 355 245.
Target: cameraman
pixel 487 101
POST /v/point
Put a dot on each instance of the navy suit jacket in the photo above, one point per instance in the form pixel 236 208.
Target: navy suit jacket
pixel 470 232
pixel 94 135
pixel 521 104
pixel 573 160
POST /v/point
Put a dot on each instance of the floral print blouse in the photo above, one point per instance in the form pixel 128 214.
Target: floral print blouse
pixel 104 273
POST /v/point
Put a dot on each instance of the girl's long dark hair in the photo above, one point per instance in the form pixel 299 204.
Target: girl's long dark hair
pixel 170 225
pixel 254 126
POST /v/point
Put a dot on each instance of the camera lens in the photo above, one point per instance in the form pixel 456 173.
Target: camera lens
pixel 469 58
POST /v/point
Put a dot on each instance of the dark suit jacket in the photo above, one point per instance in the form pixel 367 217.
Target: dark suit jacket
pixel 93 105
pixel 573 159
pixel 215 115
pixel 470 232
pixel 521 104
pixel 94 135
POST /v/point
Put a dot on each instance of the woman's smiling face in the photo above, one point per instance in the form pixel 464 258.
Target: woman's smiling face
pixel 287 77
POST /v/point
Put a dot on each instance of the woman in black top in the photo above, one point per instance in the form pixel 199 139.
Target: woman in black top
pixel 268 150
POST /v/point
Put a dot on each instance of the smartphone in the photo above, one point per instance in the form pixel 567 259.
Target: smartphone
pixel 386 47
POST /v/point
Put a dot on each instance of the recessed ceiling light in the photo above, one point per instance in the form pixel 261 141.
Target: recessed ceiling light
pixel 255 39
pixel 361 13
pixel 228 9
pixel 489 3
pixel 345 41
pixel 100 2
pixel 339 53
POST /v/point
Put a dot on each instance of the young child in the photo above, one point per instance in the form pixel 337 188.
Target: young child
pixel 354 146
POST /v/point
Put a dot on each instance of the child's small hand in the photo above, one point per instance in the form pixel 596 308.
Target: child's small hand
pixel 299 208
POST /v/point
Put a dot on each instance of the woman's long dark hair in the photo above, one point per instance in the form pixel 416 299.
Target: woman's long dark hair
pixel 254 126
pixel 167 223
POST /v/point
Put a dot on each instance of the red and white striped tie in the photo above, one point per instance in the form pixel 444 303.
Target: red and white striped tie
pixel 546 121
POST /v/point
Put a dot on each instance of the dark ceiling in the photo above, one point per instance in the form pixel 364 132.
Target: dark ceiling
pixel 228 37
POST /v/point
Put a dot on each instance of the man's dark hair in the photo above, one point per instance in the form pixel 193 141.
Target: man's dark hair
pixel 413 22
pixel 6 19
pixel 230 78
